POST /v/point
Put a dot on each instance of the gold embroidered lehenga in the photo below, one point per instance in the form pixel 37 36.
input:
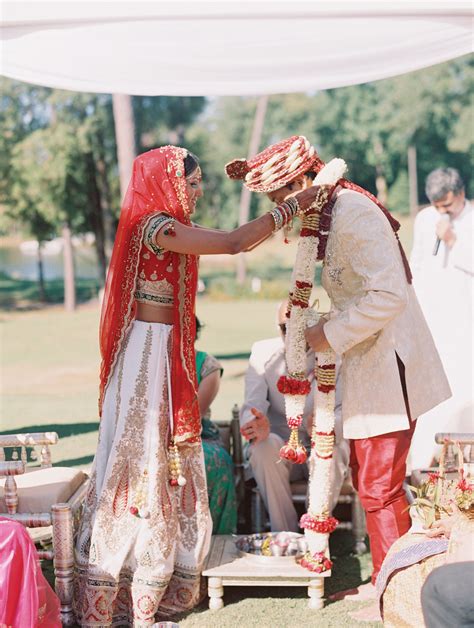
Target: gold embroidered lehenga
pixel 143 538
pixel 125 562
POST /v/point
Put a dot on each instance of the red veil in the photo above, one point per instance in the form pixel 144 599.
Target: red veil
pixel 158 184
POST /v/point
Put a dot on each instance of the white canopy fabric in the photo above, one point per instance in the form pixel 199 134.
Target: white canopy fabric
pixel 226 47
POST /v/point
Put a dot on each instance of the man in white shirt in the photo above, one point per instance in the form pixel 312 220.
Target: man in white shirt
pixel 443 270
pixel 263 423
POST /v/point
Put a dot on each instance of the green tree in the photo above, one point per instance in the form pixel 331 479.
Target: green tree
pixel 58 152
pixel 23 109
pixel 372 127
pixel 432 110
pixel 164 119
pixel 221 134
pixel 90 117
pixel 48 172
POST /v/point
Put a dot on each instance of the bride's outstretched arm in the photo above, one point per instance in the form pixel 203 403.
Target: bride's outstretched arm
pixel 184 239
pixel 207 241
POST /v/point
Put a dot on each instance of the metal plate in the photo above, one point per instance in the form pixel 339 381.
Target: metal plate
pixel 271 546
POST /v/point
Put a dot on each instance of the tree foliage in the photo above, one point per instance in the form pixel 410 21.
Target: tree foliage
pixel 23 109
pixel 58 157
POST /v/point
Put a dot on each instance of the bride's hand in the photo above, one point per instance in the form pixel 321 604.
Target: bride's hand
pixel 316 193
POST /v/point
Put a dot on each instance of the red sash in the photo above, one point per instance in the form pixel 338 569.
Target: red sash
pixel 158 184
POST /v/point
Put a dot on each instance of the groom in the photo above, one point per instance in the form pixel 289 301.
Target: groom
pixel 391 372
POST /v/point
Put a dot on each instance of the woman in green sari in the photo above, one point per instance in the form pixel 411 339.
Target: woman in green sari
pixel 219 466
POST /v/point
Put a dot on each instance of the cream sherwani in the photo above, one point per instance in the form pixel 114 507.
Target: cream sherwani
pixel 375 316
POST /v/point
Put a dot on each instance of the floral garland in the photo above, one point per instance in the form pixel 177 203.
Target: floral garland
pixel 295 386
pixel 317 522
pixel 317 563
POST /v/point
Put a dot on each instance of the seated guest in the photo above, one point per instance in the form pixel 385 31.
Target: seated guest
pixel 410 561
pixel 26 599
pixel 447 596
pixel 263 424
pixel 219 467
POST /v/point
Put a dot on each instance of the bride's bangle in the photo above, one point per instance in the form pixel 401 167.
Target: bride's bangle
pixel 278 218
pixel 284 213
pixel 293 205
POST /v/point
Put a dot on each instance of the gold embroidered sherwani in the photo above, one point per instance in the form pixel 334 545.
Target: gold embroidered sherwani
pixel 375 315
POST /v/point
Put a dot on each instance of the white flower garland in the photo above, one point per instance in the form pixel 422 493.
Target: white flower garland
pixel 317 521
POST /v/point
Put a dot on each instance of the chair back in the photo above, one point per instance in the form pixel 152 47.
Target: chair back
pixel 455 445
pixel 225 434
pixel 20 443
pixel 232 440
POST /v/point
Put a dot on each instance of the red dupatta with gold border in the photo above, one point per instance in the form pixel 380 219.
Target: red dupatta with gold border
pixel 158 184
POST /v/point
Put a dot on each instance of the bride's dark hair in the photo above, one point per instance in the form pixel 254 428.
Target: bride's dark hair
pixel 191 162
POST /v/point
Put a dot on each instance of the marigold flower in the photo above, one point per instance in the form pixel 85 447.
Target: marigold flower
pixel 433 477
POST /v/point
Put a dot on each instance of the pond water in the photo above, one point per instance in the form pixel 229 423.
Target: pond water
pixel 21 262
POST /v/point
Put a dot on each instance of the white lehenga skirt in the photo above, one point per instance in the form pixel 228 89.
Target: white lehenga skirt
pixel 129 568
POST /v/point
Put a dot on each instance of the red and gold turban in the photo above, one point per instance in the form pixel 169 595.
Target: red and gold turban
pixel 277 165
pixel 280 164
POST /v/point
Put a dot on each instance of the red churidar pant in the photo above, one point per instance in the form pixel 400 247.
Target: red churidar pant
pixel 378 467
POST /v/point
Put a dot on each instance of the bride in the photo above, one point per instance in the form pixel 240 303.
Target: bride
pixel 146 527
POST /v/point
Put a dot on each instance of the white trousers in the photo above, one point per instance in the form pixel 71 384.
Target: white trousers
pixel 273 476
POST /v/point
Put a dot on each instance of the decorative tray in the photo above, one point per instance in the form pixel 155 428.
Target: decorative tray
pixel 269 546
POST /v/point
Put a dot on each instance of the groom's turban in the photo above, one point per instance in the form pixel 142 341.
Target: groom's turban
pixel 277 165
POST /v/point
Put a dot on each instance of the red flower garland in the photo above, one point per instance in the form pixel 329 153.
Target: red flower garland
pixel 295 422
pixel 291 386
pixel 326 388
pixel 322 526
pixel 318 562
pixel 324 228
pixel 298 454
pixel 328 457
pixel 303 284
pixel 305 233
pixel 313 444
pixel 302 304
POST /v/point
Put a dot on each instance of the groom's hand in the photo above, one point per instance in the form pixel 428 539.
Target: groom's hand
pixel 306 197
pixel 316 338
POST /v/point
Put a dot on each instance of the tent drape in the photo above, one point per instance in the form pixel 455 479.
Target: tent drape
pixel 219 48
